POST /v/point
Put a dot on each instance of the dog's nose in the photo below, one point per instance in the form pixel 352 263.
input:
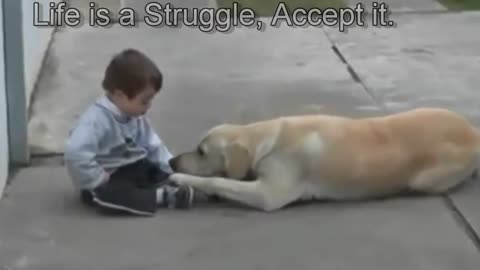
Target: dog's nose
pixel 173 163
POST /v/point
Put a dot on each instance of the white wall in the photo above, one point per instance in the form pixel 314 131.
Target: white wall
pixel 36 40
pixel 3 113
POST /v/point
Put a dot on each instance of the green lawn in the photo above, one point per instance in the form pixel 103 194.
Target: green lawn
pixel 461 4
pixel 267 8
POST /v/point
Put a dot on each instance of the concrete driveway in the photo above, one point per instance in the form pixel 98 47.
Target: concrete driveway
pixel 243 76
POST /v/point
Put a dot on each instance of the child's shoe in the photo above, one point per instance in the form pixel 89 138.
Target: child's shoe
pixel 180 197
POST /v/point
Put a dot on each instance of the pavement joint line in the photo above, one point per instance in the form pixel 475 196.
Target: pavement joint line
pixel 462 221
pixel 47 159
pixel 355 75
pixel 47 56
pixel 339 54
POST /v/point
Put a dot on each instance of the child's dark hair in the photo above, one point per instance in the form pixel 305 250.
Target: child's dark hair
pixel 131 71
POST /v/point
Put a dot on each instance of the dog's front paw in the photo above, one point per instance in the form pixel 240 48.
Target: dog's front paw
pixel 197 182
pixel 179 179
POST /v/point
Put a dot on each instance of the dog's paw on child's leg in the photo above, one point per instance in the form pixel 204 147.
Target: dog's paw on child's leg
pixel 179 179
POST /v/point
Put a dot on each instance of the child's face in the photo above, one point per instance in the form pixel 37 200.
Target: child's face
pixel 136 106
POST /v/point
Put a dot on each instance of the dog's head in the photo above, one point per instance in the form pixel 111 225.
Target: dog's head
pixel 222 152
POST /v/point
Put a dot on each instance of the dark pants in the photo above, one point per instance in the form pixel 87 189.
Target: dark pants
pixel 131 189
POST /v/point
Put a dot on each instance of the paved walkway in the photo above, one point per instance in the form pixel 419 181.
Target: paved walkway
pixel 242 76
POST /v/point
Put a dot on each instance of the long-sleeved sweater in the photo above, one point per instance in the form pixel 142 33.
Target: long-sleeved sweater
pixel 103 139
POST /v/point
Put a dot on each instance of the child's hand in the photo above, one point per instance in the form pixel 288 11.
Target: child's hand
pixel 106 177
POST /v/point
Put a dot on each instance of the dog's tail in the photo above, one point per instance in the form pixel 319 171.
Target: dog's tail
pixel 477 132
pixel 476 173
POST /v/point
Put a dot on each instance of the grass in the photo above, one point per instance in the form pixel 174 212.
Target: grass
pixel 267 8
pixel 461 4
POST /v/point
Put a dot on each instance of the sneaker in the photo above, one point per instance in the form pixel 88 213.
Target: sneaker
pixel 180 197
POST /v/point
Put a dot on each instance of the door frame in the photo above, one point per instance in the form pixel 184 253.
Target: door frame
pixel 17 113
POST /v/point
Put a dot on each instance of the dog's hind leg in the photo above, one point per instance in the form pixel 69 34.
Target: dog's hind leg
pixel 440 180
pixel 257 194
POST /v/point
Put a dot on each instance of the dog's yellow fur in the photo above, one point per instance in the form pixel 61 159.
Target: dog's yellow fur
pixel 430 150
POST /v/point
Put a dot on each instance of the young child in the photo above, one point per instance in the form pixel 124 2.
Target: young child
pixel 113 155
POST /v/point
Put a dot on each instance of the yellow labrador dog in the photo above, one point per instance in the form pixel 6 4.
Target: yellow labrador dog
pixel 427 150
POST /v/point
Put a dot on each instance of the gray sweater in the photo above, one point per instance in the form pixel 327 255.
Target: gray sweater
pixel 103 139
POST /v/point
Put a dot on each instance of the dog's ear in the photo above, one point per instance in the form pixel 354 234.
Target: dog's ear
pixel 237 161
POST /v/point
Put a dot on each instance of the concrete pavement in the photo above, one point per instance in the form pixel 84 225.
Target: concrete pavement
pixel 242 76
pixel 209 74
pixel 425 61
pixel 43 227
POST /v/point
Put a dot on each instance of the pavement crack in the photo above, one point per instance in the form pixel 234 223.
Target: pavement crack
pixel 339 54
pixel 462 220
pixel 46 160
pixel 355 75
